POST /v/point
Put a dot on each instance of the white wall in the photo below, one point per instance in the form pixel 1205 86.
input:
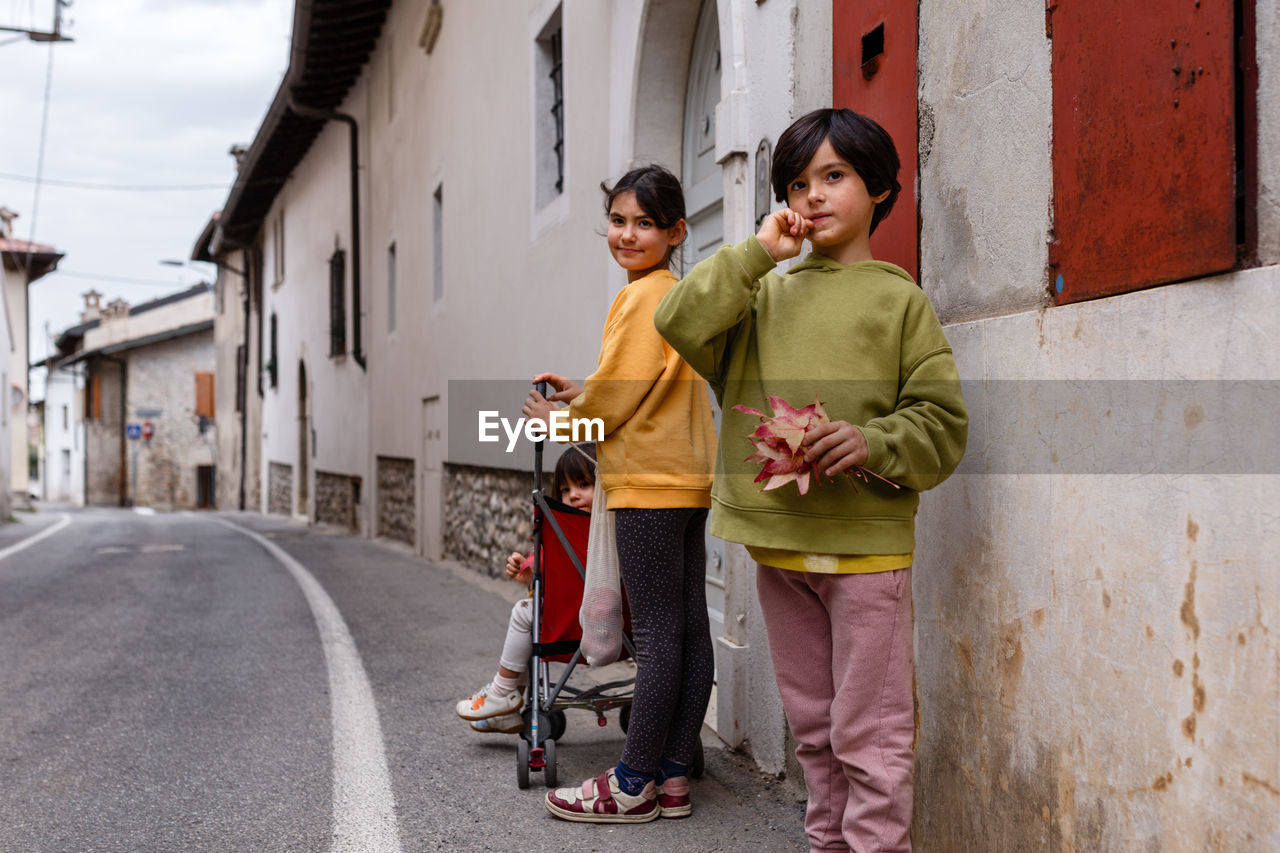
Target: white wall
pixel 64 389
pixel 6 417
pixel 15 297
pixel 317 215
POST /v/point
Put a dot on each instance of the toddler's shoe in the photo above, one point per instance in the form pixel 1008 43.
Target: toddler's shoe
pixel 507 724
pixel 673 797
pixel 600 800
pixel 487 703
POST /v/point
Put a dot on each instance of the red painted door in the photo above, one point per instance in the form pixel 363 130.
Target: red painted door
pixel 1143 144
pixel 874 73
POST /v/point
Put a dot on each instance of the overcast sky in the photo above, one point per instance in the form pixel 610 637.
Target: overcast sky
pixel 151 92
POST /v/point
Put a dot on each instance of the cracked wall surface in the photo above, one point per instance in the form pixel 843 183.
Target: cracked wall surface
pixel 1096 648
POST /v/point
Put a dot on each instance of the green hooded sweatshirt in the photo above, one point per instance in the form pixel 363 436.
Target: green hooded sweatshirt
pixel 864 340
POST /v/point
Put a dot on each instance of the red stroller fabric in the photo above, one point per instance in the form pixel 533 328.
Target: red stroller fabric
pixel 562 586
pixel 561 583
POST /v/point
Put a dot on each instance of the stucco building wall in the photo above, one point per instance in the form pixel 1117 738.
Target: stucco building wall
pixel 1095 651
pixel 324 425
pixel 64 436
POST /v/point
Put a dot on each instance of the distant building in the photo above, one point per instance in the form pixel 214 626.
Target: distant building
pixel 146 368
pixel 62 412
pixel 21 263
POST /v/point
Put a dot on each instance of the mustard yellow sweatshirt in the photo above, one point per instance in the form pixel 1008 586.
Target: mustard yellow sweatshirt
pixel 659 443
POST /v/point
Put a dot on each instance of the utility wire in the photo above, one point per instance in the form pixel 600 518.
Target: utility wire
pixel 119 278
pixel 84 185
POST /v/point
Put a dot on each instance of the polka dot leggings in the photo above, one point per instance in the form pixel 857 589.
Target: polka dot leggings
pixel 662 555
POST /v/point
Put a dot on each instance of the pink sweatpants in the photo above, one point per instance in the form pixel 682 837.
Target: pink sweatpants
pixel 842 654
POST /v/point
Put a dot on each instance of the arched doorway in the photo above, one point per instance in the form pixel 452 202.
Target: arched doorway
pixel 304 448
pixel 700 173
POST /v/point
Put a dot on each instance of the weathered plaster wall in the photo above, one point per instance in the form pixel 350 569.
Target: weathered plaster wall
pixel 1096 654
pixel 1268 14
pixel 162 376
pixel 985 178
pixel 103 438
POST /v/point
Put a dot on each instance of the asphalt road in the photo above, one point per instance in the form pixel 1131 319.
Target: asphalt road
pixel 165 685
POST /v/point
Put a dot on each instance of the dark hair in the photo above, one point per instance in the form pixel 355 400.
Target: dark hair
pixel 658 193
pixel 856 138
pixel 574 467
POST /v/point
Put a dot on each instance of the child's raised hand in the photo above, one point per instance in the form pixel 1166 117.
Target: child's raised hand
pixel 837 446
pixel 566 389
pixel 516 570
pixel 783 233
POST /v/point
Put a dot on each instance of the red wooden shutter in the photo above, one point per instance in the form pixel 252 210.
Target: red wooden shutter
pixel 874 68
pixel 1143 144
pixel 204 394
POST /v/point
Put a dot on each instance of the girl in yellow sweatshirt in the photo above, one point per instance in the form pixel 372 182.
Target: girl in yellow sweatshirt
pixel 655 466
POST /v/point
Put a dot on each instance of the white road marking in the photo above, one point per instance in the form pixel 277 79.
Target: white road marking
pixel 36 537
pixel 160 549
pixel 364 808
pixel 144 510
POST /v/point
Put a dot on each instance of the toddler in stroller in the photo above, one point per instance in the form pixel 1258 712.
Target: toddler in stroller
pixel 495 708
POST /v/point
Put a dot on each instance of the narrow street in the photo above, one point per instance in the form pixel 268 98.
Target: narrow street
pixel 166 688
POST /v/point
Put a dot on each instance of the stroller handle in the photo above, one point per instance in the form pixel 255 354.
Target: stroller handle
pixel 537 447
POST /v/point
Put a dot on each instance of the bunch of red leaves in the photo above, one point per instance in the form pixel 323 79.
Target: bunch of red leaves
pixel 779 443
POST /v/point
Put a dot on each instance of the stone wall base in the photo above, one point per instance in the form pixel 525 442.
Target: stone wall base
pixel 280 489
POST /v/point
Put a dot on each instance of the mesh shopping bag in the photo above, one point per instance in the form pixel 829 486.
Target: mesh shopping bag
pixel 601 613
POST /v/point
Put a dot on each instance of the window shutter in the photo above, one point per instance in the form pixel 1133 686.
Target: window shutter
pixel 874 73
pixel 1144 145
pixel 204 395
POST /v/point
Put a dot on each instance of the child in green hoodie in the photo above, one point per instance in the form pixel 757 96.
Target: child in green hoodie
pixel 834 557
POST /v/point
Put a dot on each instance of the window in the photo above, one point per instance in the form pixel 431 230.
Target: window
pixel 241 369
pixel 437 243
pixel 549 111
pixel 391 288
pixel 1172 140
pixel 93 398
pixel 277 249
pixel 272 363
pixel 66 418
pixel 337 304
pixel 204 395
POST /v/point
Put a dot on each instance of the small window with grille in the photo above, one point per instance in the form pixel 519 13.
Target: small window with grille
pixel 337 304
pixel 549 105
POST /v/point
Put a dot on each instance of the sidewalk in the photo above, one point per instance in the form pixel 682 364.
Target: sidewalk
pixel 430 634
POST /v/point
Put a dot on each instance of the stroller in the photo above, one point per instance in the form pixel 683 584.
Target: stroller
pixel 558 561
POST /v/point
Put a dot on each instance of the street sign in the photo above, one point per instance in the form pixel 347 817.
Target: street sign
pixel 147 430
pixel 133 431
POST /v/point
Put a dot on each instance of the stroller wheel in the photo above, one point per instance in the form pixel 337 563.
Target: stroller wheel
pixel 558 724
pixel 549 754
pixel 699 761
pixel 522 763
pixel 624 718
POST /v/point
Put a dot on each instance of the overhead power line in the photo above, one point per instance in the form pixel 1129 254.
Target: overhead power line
pixel 86 185
pixel 120 278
